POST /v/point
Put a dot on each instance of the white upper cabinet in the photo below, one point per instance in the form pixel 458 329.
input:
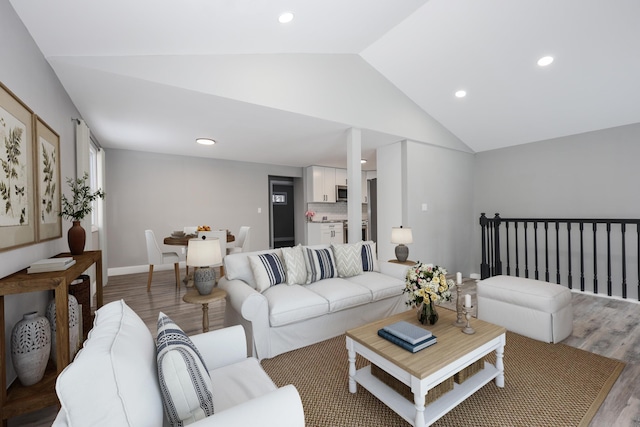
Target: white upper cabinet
pixel 321 184
pixel 365 197
pixel 341 177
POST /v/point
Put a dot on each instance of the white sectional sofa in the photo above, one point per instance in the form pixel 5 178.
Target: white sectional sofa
pixel 297 313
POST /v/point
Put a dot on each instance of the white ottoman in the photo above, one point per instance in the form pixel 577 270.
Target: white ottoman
pixel 535 309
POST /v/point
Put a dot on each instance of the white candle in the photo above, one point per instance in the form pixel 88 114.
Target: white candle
pixel 467 300
pixel 459 278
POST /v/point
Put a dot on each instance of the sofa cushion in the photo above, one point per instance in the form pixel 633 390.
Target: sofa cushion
pixel 348 259
pixel 290 304
pixel 238 267
pixel 381 286
pixel 185 384
pixel 122 346
pixel 320 264
pixel 243 381
pixel 268 270
pixel 369 256
pixel 295 266
pixel 341 293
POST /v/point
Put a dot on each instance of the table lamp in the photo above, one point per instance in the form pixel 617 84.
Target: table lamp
pixel 401 236
pixel 203 253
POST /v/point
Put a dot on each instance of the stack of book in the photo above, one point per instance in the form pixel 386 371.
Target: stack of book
pixel 51 264
pixel 410 337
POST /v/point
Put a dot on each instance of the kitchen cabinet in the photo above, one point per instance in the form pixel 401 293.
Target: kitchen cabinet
pixel 341 177
pixel 325 233
pixel 365 197
pixel 321 184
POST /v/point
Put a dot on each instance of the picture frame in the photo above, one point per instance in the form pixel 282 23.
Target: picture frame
pixel 48 187
pixel 17 213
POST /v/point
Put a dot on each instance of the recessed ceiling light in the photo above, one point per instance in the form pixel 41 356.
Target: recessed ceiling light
pixel 363 161
pixel 461 94
pixel 205 141
pixel 285 17
pixel 545 60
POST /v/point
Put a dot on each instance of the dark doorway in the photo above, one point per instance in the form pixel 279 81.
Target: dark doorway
pixel 282 212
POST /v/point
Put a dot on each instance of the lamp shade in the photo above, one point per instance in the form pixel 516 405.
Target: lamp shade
pixel 401 236
pixel 203 253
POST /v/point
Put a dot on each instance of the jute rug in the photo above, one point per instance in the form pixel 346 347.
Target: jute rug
pixel 545 385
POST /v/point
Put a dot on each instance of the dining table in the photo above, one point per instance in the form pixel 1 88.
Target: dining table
pixel 184 240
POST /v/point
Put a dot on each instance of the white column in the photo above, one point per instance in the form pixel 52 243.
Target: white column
pixel 354 185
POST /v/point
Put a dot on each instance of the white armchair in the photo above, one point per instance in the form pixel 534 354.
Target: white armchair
pixel 114 380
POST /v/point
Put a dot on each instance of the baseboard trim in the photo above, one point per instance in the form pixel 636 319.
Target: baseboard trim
pixel 133 269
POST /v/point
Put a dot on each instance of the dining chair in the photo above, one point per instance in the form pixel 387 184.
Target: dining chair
pixel 190 229
pixel 157 257
pixel 221 235
pixel 242 242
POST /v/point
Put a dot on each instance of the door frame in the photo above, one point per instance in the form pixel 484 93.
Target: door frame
pixel 279 180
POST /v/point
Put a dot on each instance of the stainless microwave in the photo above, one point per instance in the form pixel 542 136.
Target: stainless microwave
pixel 341 193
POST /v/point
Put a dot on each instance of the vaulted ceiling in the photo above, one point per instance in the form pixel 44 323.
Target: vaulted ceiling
pixel 153 75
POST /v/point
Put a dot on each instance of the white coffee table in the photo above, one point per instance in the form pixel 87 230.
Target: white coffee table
pixel 427 368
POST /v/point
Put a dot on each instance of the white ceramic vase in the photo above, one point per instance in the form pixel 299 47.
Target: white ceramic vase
pixel 30 347
pixel 74 317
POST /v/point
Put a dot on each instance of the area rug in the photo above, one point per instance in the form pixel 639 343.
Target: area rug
pixel 545 385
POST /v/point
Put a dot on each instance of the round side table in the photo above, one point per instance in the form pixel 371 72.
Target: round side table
pixel 193 297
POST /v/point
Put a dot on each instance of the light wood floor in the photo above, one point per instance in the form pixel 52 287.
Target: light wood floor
pixel 601 325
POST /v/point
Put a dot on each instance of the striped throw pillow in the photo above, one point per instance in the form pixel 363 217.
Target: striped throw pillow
pixel 320 264
pixel 268 270
pixel 187 392
pixel 369 257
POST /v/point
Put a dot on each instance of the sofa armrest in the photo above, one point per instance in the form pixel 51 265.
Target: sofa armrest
pixel 243 298
pixel 280 408
pixel 221 347
pixel 399 271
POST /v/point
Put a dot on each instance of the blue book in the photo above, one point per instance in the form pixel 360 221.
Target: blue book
pixel 409 332
pixel 402 343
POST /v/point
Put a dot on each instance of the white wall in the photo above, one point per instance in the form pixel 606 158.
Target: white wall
pixel 165 193
pixel 413 174
pixel 26 73
pixel 443 179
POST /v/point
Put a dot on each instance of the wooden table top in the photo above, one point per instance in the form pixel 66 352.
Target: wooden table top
pixel 452 342
pixel 193 296
pixel 184 241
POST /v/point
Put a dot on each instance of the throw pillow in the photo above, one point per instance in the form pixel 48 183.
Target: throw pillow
pixel 267 270
pixel 369 257
pixel 320 264
pixel 187 392
pixel 348 259
pixel 295 266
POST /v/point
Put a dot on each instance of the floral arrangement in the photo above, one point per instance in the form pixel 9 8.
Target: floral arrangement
pixel 426 283
pixel 309 214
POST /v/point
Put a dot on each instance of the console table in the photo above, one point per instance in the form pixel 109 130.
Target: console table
pixel 19 399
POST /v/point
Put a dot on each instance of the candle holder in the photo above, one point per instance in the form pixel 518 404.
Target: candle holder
pixel 468 329
pixel 459 310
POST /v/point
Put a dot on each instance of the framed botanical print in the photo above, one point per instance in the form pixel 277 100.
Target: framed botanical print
pixel 47 181
pixel 17 213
